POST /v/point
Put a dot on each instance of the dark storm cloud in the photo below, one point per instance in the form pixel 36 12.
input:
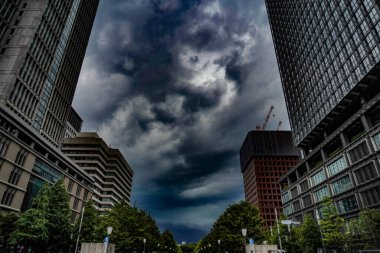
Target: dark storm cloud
pixel 176 85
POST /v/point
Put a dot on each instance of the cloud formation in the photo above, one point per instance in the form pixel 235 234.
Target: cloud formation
pixel 176 85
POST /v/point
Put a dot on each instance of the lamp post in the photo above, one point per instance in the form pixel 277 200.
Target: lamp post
pixel 158 247
pixel 219 245
pixel 144 240
pixel 244 233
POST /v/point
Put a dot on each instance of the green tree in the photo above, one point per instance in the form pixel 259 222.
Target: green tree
pixel 288 240
pixel 168 240
pixel 369 227
pixel 58 215
pixel 32 225
pixel 7 226
pixel 89 224
pixel 228 228
pixel 332 226
pixel 188 247
pixel 309 235
pixel 47 223
pixel 130 227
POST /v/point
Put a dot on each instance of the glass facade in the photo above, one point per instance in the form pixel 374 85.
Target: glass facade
pixel 323 192
pixel 376 139
pixel 285 197
pixel 337 166
pixel 45 171
pixel 342 185
pixel 324 48
pixel 54 67
pixel 359 152
pixel 318 178
pixel 347 204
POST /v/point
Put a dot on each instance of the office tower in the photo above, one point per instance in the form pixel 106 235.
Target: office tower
pixel 27 161
pixel 42 46
pixel 328 54
pixel 107 166
pixel 265 156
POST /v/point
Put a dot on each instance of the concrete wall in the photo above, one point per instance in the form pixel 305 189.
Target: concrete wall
pixel 96 248
pixel 261 248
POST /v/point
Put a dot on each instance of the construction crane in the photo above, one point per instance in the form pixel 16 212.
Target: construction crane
pixel 279 125
pixel 258 127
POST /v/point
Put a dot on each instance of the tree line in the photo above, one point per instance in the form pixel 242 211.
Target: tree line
pixel 46 226
pixel 331 233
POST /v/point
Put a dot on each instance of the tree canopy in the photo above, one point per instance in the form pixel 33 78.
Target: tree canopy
pixel 228 228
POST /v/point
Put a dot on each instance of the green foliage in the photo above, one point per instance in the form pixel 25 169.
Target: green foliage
pixel 130 227
pixel 168 241
pixel 188 248
pixel 228 228
pixel 89 224
pixel 332 226
pixel 363 232
pixel 7 226
pixel 309 236
pixel 289 240
pixel 58 216
pixel 47 222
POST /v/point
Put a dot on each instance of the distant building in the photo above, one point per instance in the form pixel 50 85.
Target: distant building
pixel 27 161
pixel 329 59
pixel 265 156
pixel 107 166
pixel 73 124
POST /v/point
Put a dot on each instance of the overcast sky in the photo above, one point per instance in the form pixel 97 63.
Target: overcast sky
pixel 176 85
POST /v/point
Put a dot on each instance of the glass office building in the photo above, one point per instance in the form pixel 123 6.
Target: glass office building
pixel 42 46
pixel 328 54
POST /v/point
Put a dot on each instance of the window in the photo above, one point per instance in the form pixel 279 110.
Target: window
pixel 8 196
pixel 75 205
pixel 70 186
pixel 347 204
pixel 20 157
pixel 304 186
pixel 359 152
pixel 321 193
pixel 4 143
pixel 15 175
pixel 79 188
pixel 376 139
pixel 341 185
pixel 288 210
pixel 371 196
pixel 366 173
pixel 337 166
pixel 294 192
pixel 46 171
pixel 318 178
pixel 73 217
pixel 297 205
pixel 85 194
pixel 307 201
pixel 285 197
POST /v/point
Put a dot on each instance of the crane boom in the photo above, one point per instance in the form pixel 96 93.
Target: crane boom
pixel 267 118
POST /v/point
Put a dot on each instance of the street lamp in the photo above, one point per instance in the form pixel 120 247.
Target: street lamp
pixel 219 245
pixel 158 247
pixel 144 240
pixel 244 233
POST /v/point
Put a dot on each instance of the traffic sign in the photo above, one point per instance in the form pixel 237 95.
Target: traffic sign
pixel 251 241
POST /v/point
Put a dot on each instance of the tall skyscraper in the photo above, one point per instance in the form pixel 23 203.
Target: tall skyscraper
pixel 42 46
pixel 110 171
pixel 265 156
pixel 328 54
